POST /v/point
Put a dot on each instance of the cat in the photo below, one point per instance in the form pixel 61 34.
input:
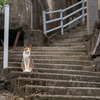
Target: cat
pixel 27 62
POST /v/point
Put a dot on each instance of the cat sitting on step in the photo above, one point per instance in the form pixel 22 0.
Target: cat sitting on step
pixel 27 62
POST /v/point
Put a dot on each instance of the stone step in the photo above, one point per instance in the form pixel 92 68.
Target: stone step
pixel 80 33
pixel 48 50
pixel 11 59
pixel 49 70
pixel 69 77
pixel 64 71
pixel 71 33
pixel 68 36
pixel 8 70
pixel 49 47
pixel 78 57
pixel 60 66
pixel 61 97
pixel 60 61
pixel 65 41
pixel 68 40
pixel 78 30
pixel 68 44
pixel 49 53
pixel 51 90
pixel 50 82
pixel 64 44
pixel 56 61
pixel 65 66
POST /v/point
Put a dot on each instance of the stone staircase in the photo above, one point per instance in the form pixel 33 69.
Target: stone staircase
pixel 63 71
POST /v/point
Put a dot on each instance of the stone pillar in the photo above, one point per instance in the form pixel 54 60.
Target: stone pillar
pixel 92 14
pixel 98 4
pixel 99 9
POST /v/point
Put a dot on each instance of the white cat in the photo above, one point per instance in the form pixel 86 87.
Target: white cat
pixel 27 62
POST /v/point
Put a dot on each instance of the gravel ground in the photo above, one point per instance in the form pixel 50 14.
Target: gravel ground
pixel 5 95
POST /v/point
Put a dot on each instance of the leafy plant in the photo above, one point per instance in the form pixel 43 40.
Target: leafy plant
pixel 18 96
pixel 2 2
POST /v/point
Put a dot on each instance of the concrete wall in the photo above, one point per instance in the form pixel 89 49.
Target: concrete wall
pixel 92 14
pixel 18 11
pixel 98 4
pixel 99 8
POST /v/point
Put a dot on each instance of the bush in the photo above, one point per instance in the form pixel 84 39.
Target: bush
pixel 2 2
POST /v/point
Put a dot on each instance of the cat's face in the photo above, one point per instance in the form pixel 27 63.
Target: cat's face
pixel 27 49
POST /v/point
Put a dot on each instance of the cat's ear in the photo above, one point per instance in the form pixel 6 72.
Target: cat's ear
pixel 30 46
pixel 25 46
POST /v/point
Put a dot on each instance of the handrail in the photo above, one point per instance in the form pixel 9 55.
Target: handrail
pixel 53 29
pixel 31 12
pixel 0 6
pixel 72 13
pixel 73 21
pixel 3 7
pixel 62 26
pixel 72 6
pixel 29 2
pixel 53 11
pixel 53 20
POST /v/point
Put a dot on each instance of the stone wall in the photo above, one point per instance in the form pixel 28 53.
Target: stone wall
pixel 18 11
pixel 93 48
pixel 59 4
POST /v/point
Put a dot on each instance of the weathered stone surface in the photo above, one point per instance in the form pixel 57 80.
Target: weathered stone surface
pixel 51 75
pixel 92 43
pixel 96 62
pixel 36 38
pixel 18 11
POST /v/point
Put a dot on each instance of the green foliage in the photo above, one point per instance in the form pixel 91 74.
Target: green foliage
pixel 2 2
pixel 18 96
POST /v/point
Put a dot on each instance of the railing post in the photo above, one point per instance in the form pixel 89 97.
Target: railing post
pixel 83 11
pixel 44 22
pixel 6 36
pixel 61 16
pixel 31 16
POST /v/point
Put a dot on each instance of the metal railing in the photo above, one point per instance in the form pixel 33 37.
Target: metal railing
pixel 3 7
pixel 61 19
pixel 6 36
pixel 27 11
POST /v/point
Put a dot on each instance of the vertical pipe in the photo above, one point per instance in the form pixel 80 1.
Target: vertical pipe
pixel 4 2
pixel 31 16
pixel 83 11
pixel 61 16
pixel 44 22
pixel 16 39
pixel 6 36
